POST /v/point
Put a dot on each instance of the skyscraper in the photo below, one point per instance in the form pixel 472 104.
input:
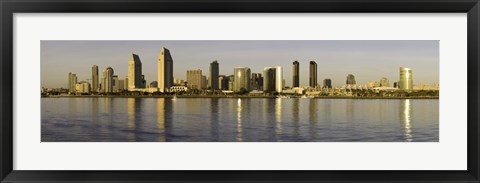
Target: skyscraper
pixel 230 82
pixel 257 81
pixel 351 79
pixel 279 79
pixel 72 81
pixel 134 72
pixel 94 78
pixel 269 79
pixel 194 79
pixel 406 80
pixel 213 76
pixel 115 83
pixel 296 74
pixel 242 78
pixel 107 83
pixel 120 85
pixel 223 82
pixel 165 70
pixel 327 83
pixel 313 74
pixel 125 83
pixel 204 82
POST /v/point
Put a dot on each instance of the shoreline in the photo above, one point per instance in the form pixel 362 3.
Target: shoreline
pixel 210 96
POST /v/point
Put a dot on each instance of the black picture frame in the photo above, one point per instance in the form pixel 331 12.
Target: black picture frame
pixel 9 7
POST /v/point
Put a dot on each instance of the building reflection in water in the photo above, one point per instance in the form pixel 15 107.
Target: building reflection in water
pixel 278 116
pixel 161 119
pixel 327 116
pixel 239 120
pixel 95 119
pixel 296 117
pixel 108 111
pixel 350 114
pixel 214 107
pixel 72 105
pixel 133 107
pixel 405 117
pixel 312 116
pixel 268 114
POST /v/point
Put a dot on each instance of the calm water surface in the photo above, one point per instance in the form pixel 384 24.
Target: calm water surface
pixel 239 120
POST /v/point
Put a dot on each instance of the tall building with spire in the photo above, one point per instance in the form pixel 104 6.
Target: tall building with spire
pixel 95 78
pixel 296 74
pixel 134 72
pixel 165 70
pixel 313 74
pixel 213 76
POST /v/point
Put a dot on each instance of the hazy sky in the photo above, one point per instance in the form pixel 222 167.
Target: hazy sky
pixel 367 60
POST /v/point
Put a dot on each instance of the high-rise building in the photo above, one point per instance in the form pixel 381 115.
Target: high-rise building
pixel 269 79
pixel 121 85
pixel 279 79
pixel 115 83
pixel 72 81
pixel 165 70
pixel 95 78
pixel 82 87
pixel 204 82
pixel 296 74
pixel 220 81
pixel 351 79
pixel 144 82
pixel 223 82
pixel 107 84
pixel 384 82
pixel 242 79
pixel 406 80
pixel 125 83
pixel 327 83
pixel 313 74
pixel 194 79
pixel 134 72
pixel 230 82
pixel 257 81
pixel 213 76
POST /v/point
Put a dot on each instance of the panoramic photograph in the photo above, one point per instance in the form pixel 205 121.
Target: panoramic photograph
pixel 239 91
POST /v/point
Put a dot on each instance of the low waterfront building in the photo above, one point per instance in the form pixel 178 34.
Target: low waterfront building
pixel 256 93
pixel 177 89
pixel 296 90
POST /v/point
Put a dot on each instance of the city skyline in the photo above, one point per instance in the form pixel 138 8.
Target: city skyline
pixel 420 56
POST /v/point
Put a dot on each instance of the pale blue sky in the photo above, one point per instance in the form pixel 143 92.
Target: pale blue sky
pixel 367 60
